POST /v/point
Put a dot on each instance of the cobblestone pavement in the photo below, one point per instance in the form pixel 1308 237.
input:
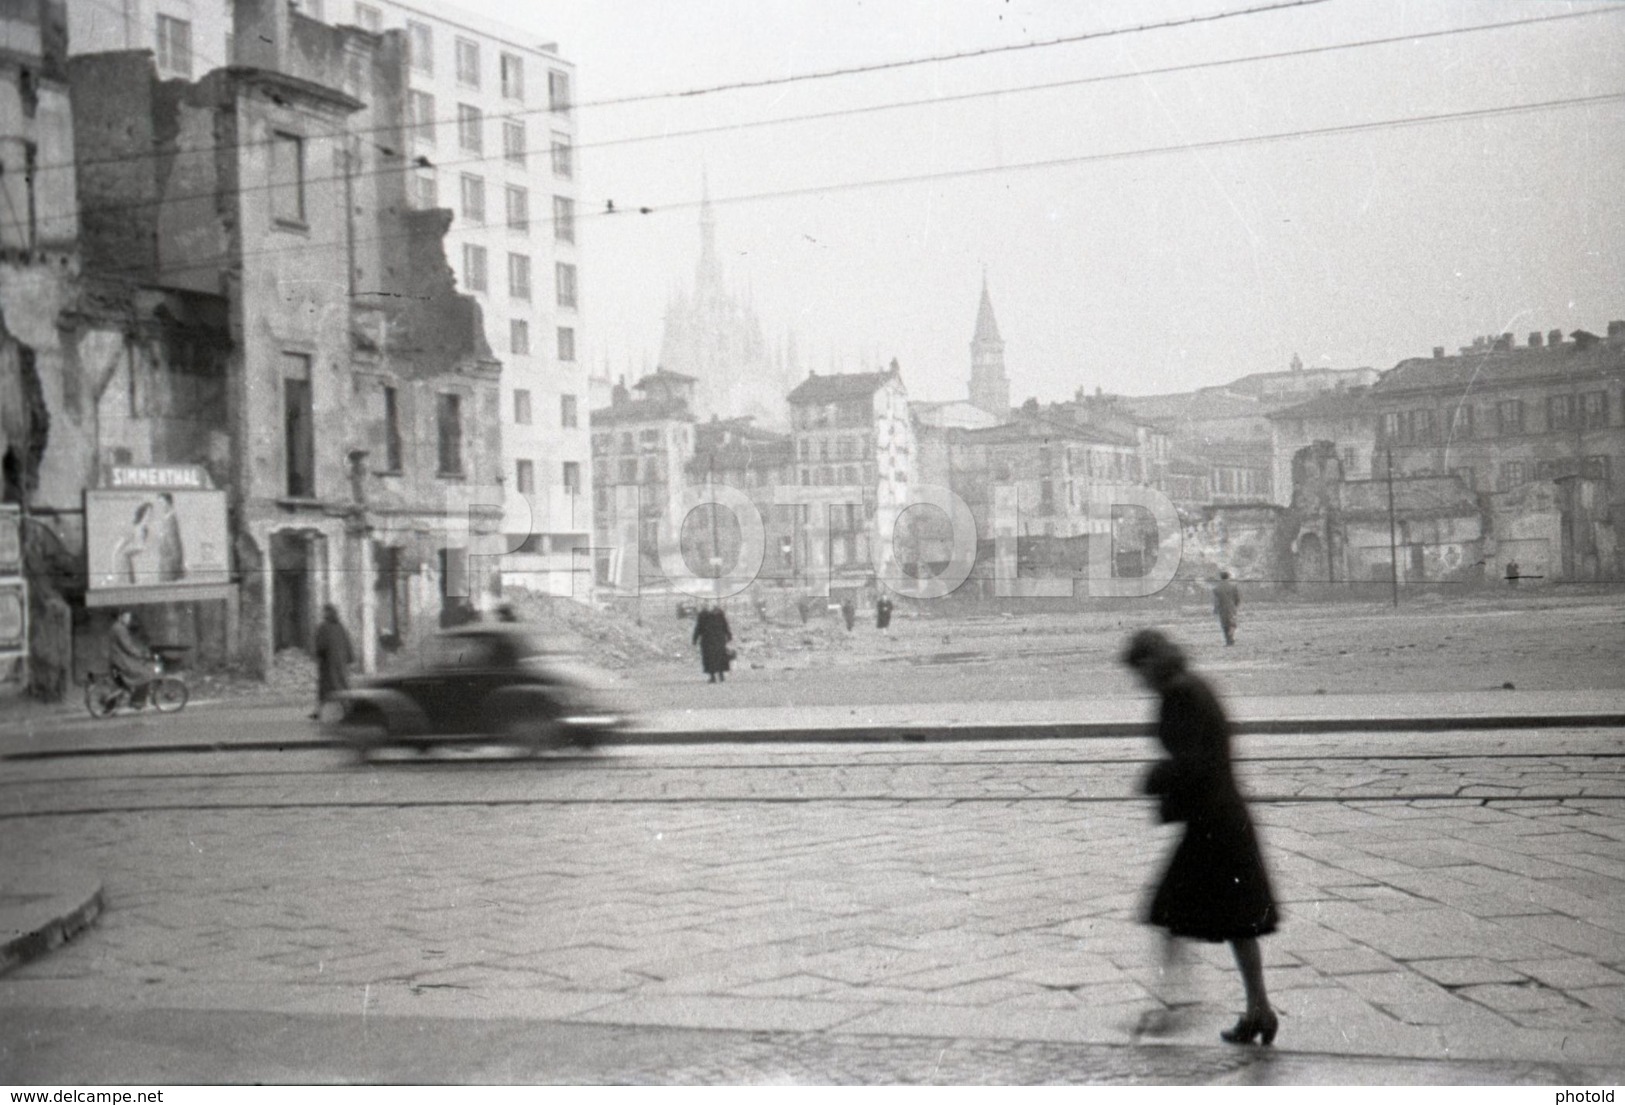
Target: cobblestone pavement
pixel 1447 897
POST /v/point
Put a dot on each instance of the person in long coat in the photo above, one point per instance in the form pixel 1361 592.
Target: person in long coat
pixel 883 610
pixel 712 634
pixel 1215 886
pixel 1226 598
pixel 849 613
pixel 333 657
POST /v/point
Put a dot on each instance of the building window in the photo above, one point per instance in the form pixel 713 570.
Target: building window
pixel 567 343
pixel 521 407
pixel 1466 476
pixel 1461 426
pixel 420 110
pixel 564 275
pixel 1559 412
pixel 519 337
pixel 470 128
pixel 474 267
pixel 563 162
pixel 392 430
pixel 449 423
pixel 1512 475
pixel 1509 418
pixel 524 477
pixel 1422 427
pixel 513 141
pixel 558 91
pixel 1351 461
pixel 299 429
pixel 369 18
pixel 513 77
pixel 572 478
pixel 1594 409
pixel 427 194
pixel 567 411
pixel 627 471
pixel 420 44
pixel 473 198
pixel 519 276
pixel 468 62
pixel 175 46
pixel 564 219
pixel 600 445
pixel 518 209
pixel 288 178
pixel 1598 467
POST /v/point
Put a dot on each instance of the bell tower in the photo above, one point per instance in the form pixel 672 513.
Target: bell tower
pixel 989 387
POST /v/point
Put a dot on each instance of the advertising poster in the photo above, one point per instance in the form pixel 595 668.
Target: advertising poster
pixel 152 538
pixel 13 619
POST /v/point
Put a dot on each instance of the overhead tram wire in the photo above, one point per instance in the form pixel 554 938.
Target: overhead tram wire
pixel 1403 122
pixel 410 163
pixel 794 78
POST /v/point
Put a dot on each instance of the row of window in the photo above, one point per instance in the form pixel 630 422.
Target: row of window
pixel 1424 426
pixel 1516 473
pixel 855 412
pixel 569 410
pixel 524 477
pixel 844 475
pixel 174 49
pixel 518 208
pixel 647 441
pixel 476 277
pixel 519 340
pixel 420 108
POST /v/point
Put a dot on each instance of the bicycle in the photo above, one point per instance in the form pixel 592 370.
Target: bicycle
pixel 107 692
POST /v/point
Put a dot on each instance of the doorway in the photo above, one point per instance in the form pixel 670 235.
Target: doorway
pixel 291 584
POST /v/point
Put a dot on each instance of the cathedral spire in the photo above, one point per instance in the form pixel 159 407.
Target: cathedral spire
pixel 987 328
pixel 708 274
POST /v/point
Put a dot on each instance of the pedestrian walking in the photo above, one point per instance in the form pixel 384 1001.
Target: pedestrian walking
pixel 1215 887
pixel 803 607
pixel 1512 573
pixel 712 634
pixel 333 658
pixel 1226 597
pixel 849 613
pixel 883 614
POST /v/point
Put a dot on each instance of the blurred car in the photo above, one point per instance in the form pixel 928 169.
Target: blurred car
pixel 480 684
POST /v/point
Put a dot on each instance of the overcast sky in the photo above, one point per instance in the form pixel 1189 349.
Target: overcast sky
pixel 1138 274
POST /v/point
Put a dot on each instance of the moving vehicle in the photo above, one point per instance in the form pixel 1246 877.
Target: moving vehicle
pixel 108 692
pixel 480 684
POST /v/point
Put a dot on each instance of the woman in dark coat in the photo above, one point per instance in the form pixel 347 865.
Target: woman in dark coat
pixel 1215 886
pixel 712 632
pixel 333 657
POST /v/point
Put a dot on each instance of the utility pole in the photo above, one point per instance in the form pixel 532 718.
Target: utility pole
pixel 716 544
pixel 1393 527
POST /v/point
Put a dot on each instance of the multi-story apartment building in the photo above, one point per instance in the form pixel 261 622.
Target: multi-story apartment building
pixel 854 442
pixel 1499 415
pixel 491 137
pixel 755 461
pixel 1345 418
pixel 640 449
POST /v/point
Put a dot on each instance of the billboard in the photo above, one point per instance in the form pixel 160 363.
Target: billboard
pixel 162 542
pixel 13 619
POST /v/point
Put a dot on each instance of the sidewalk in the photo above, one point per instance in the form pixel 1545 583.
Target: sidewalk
pixel 270 725
pixel 43 910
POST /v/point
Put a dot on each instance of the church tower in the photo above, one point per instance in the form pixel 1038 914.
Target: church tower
pixel 989 387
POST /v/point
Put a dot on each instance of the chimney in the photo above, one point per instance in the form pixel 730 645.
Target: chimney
pixel 1554 337
pixel 1503 344
pixel 1534 339
pixel 1438 352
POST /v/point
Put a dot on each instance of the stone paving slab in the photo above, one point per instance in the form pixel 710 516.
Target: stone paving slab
pixel 674 889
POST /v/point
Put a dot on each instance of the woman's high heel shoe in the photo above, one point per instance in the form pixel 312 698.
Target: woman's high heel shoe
pixel 1262 1027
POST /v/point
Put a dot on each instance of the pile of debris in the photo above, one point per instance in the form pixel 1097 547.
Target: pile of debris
pixel 605 636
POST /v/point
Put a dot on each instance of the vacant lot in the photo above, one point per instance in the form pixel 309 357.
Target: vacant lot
pixel 1431 643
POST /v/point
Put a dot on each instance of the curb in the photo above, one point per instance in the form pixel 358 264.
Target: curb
pixel 922 733
pixel 32 939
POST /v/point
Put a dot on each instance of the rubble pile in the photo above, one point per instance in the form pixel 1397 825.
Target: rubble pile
pixel 606 637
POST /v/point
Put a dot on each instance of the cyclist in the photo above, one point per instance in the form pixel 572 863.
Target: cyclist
pixel 132 661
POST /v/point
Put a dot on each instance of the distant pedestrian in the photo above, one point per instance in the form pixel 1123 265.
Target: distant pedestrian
pixel 1215 887
pixel 803 608
pixel 333 658
pixel 761 609
pixel 1226 597
pixel 1512 573
pixel 849 613
pixel 883 614
pixel 712 634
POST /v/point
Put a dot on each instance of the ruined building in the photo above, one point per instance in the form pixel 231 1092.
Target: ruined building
pixel 259 313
